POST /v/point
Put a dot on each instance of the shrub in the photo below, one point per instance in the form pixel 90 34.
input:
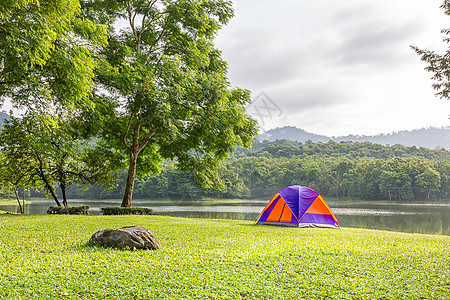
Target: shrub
pixel 126 211
pixel 69 210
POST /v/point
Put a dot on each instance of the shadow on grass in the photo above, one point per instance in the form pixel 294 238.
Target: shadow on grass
pixel 250 225
pixel 90 246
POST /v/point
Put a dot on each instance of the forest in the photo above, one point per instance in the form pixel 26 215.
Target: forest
pixel 343 170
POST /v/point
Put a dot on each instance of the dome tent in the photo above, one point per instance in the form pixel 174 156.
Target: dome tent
pixel 298 206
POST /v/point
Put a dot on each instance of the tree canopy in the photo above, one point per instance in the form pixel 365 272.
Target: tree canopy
pixel 162 88
pixel 47 53
pixel 41 155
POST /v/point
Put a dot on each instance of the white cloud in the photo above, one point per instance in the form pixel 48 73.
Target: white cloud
pixel 341 67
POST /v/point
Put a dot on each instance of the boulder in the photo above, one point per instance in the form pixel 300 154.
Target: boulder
pixel 132 237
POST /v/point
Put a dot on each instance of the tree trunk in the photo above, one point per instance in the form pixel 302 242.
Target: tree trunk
pixel 52 192
pixel 62 178
pixel 47 183
pixel 127 196
pixel 50 189
pixel 63 191
pixel 23 201
pixel 18 200
pixel 134 150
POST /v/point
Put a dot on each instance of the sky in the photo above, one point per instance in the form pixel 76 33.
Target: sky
pixel 337 67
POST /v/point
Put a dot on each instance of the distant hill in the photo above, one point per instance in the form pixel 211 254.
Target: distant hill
pixel 426 137
pixel 292 133
pixel 3 116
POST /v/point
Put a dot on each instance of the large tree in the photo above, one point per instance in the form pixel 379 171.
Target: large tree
pixel 162 89
pixel 47 53
pixel 439 64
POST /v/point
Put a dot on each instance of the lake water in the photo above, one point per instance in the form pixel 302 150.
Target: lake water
pixel 414 218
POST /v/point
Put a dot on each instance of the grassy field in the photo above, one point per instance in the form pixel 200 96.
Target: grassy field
pixel 48 257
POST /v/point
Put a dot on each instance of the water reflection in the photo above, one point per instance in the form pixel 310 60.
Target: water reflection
pixel 415 218
pixel 422 223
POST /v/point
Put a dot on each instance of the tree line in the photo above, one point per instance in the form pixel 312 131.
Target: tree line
pixel 343 170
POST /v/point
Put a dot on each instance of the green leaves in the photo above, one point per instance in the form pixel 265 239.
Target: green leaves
pixel 45 151
pixel 47 53
pixel 438 64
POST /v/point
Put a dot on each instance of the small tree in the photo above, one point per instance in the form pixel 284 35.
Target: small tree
pixel 41 155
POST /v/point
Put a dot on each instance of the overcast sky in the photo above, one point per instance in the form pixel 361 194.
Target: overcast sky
pixel 337 67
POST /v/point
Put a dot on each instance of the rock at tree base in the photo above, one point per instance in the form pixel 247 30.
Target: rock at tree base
pixel 133 237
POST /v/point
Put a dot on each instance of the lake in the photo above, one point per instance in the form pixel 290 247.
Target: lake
pixel 404 217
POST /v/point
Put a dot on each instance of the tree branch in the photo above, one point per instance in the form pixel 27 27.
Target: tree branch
pixel 131 18
pixel 22 176
pixel 147 138
pixel 139 37
pixel 152 19
pixel 158 39
pixel 124 137
pixel 47 183
pixel 81 176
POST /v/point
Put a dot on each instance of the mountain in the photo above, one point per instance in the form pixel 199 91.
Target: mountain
pixel 425 137
pixel 3 116
pixel 291 133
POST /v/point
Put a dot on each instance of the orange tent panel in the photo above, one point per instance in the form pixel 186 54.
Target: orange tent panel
pixel 276 211
pixel 287 215
pixel 319 207
pixel 270 203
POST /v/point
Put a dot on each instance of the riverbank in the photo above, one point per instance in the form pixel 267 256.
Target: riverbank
pixel 47 257
pixel 8 201
pixel 424 218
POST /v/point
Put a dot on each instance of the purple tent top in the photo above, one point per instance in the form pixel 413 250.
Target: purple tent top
pixel 298 198
pixel 308 209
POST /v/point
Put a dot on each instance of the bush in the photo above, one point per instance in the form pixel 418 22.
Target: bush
pixel 126 211
pixel 69 210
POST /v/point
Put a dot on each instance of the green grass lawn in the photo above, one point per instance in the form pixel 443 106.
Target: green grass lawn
pixel 48 257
